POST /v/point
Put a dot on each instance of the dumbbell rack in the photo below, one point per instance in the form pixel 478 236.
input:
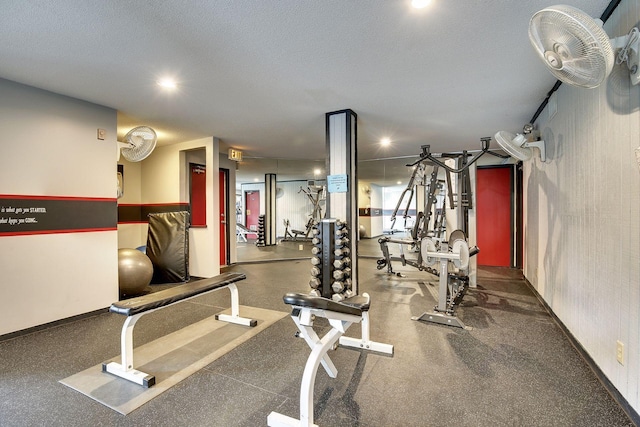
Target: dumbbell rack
pixel 331 261
pixel 260 240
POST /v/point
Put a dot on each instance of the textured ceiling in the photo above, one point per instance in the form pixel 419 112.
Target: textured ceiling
pixel 260 75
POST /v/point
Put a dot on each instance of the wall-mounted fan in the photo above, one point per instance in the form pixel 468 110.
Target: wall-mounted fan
pixel 577 50
pixel 518 147
pixel 138 143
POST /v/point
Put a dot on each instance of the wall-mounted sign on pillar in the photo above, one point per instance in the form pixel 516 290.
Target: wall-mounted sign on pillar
pixel 342 184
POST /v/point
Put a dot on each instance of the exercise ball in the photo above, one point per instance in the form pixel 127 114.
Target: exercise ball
pixel 134 271
pixel 362 232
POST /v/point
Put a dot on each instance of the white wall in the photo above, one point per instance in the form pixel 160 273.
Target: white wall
pixel 293 205
pixel 132 235
pixel 376 202
pixel 50 148
pixel 165 179
pixel 370 196
pixel 582 233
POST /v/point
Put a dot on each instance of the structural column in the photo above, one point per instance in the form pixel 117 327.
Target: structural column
pixel 270 209
pixel 342 180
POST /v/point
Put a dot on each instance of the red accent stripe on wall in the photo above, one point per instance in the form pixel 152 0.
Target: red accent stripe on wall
pixel 32 233
pixel 68 198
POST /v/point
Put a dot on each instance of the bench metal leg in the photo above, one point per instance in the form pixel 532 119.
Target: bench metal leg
pixel 319 350
pixel 365 342
pixel 234 317
pixel 125 368
pixel 304 322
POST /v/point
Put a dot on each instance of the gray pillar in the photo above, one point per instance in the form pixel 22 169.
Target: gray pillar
pixel 270 209
pixel 342 180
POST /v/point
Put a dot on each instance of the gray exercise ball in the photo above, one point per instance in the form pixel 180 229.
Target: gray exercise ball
pixel 134 271
pixel 362 231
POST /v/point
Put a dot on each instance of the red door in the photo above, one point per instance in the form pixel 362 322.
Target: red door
pixel 198 196
pixel 224 227
pixel 493 197
pixel 252 209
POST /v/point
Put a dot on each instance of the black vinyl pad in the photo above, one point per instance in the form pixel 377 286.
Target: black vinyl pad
pixel 168 246
pixel 302 300
pixel 159 299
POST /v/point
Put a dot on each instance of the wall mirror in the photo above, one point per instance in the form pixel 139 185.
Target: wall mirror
pixel 300 200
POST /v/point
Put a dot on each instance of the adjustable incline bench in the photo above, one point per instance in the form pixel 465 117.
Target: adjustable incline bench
pixel 341 315
pixel 135 308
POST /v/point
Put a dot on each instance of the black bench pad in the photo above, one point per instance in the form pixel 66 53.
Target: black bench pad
pixel 356 307
pixel 159 299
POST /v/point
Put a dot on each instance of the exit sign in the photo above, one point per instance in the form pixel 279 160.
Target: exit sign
pixel 235 155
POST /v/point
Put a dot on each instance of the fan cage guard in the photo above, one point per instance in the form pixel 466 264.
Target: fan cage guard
pixel 572 44
pixel 140 142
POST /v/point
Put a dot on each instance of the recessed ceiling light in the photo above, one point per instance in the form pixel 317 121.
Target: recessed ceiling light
pixel 419 4
pixel 317 171
pixel 385 142
pixel 256 179
pixel 399 182
pixel 167 83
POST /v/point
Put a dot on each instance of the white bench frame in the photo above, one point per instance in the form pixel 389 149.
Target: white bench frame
pixel 125 369
pixel 340 322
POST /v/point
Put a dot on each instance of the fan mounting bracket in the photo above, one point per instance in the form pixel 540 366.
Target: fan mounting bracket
pixel 628 48
pixel 540 145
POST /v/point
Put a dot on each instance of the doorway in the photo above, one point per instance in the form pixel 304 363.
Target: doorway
pixel 224 209
pixel 252 209
pixel 494 192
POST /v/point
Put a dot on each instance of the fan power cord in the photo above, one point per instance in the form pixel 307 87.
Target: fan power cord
pixel 623 55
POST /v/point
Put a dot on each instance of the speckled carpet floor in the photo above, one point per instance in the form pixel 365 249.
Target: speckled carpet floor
pixel 514 367
pixel 170 359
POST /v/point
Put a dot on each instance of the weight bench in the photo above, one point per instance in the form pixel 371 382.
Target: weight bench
pixel 341 315
pixel 135 308
pixel 241 233
pixel 298 233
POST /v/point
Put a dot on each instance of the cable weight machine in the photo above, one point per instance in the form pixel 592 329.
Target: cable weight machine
pixel 428 242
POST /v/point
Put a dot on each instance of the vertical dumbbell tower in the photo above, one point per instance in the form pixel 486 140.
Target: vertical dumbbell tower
pixel 331 273
pixel 261 230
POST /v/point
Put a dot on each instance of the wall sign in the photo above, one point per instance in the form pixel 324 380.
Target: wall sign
pixel 337 183
pixel 24 215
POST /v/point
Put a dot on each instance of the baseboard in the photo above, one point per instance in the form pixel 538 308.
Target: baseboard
pixel 613 391
pixel 64 321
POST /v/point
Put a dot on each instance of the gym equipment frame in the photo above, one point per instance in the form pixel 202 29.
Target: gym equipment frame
pixel 451 287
